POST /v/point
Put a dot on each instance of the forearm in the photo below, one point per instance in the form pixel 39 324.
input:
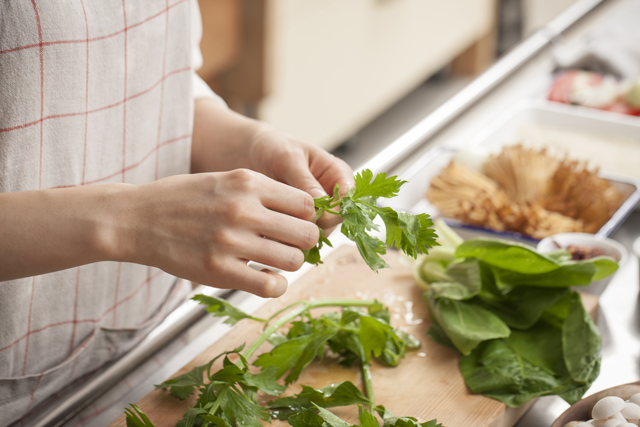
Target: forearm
pixel 221 138
pixel 51 230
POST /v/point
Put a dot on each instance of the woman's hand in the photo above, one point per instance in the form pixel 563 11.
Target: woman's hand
pixel 224 140
pixel 301 165
pixel 206 227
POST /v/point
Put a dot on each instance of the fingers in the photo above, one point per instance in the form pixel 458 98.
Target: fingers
pixel 330 170
pixel 264 283
pixel 289 230
pixel 288 200
pixel 298 175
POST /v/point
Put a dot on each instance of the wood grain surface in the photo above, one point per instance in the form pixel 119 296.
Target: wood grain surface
pixel 427 384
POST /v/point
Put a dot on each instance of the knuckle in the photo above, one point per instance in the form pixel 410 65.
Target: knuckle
pixel 224 238
pixel 245 179
pixel 308 206
pixel 311 236
pixel 295 260
pixel 237 212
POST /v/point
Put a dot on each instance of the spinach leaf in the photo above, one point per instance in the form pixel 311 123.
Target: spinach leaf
pixel 540 345
pixel 496 370
pixel 581 343
pixel 508 256
pixel 605 266
pixel 466 325
pixel 572 273
pixel 523 306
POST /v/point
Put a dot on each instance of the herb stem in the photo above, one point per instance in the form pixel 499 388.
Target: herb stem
pixel 306 306
pixel 366 377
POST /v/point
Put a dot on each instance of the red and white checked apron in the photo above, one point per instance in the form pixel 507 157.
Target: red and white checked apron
pixel 91 92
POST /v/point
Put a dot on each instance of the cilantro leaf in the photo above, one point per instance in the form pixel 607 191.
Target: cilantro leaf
pixel 137 418
pixel 381 186
pixel 221 308
pixel 373 335
pixel 391 420
pixel 312 256
pixel 412 234
pixel 295 354
pixel 340 394
pixel 331 419
pixel 366 418
pixel 182 385
pixel 306 418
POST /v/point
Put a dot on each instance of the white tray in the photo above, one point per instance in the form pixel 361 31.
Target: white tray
pixel 504 132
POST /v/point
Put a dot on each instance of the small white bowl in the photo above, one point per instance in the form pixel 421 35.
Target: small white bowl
pixel 608 246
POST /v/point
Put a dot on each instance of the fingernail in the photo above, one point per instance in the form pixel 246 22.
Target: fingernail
pixel 317 192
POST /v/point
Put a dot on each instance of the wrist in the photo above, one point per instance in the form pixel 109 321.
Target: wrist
pixel 113 235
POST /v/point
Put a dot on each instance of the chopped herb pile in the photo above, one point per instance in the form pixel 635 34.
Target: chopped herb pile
pixel 412 234
pixel 510 312
pixel 228 397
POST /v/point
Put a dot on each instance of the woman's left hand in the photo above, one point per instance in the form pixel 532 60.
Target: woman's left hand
pixel 224 140
pixel 301 165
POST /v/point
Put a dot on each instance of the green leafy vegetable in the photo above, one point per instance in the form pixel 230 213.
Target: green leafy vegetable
pixel 340 394
pixel 465 324
pixel 228 397
pixel 137 418
pixel 509 310
pixel 358 208
pixel 220 308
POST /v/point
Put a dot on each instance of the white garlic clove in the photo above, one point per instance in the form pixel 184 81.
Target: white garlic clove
pixel 635 399
pixel 606 407
pixel 618 416
pixel 613 423
pixel 627 425
pixel 631 411
pixel 580 424
pixel 594 423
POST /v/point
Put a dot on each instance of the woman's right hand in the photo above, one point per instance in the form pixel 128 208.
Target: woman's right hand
pixel 206 227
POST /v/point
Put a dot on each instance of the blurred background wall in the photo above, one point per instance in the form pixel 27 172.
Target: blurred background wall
pixel 322 70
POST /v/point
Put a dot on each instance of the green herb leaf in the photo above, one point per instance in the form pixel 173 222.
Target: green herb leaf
pixel 221 308
pixel 391 420
pixel 182 385
pixel 306 418
pixel 381 186
pixel 340 394
pixel 137 418
pixel 410 233
pixel 295 354
pixel 331 419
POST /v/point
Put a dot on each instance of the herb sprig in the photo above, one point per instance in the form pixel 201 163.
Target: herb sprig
pixel 228 397
pixel 412 234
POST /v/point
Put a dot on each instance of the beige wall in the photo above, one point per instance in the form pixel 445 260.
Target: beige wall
pixel 334 65
pixel 537 13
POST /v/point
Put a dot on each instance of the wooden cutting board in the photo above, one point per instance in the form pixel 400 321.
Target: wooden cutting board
pixel 427 384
